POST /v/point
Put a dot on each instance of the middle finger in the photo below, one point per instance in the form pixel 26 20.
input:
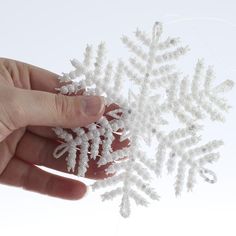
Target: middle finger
pixel 38 151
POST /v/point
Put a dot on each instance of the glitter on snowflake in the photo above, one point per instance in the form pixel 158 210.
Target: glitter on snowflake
pixel 143 115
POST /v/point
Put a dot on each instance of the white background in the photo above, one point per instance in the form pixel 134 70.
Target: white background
pixel 48 34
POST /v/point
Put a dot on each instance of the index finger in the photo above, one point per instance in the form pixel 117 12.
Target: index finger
pixel 42 79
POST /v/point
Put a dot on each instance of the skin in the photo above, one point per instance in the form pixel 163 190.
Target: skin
pixel 29 108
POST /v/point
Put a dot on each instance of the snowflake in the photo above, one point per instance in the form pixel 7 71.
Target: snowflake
pixel 157 91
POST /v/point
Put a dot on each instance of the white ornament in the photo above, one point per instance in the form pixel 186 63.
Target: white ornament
pixel 143 115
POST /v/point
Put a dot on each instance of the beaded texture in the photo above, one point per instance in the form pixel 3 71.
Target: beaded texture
pixel 142 115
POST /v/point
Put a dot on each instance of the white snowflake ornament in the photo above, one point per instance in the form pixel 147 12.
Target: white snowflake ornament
pixel 158 90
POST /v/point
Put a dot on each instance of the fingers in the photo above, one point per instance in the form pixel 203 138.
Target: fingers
pixel 47 109
pixel 21 174
pixel 38 150
pixel 43 80
pixel 31 76
pixel 8 147
pixel 43 131
pixel 47 132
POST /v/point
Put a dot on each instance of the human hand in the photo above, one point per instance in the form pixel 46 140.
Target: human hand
pixel 29 107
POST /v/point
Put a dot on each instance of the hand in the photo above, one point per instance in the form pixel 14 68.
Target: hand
pixel 29 107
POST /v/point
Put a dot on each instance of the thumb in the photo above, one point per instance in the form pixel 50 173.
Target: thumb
pixel 48 109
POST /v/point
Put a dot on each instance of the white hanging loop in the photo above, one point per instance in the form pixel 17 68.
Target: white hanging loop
pixel 60 150
pixel 208 175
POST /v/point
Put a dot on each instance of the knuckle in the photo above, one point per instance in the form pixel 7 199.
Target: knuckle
pixel 24 179
pixel 64 106
pixel 12 114
pixel 16 114
pixel 48 185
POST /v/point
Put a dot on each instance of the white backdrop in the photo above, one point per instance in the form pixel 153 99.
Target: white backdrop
pixel 48 34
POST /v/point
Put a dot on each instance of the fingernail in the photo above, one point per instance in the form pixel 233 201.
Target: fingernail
pixel 92 105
